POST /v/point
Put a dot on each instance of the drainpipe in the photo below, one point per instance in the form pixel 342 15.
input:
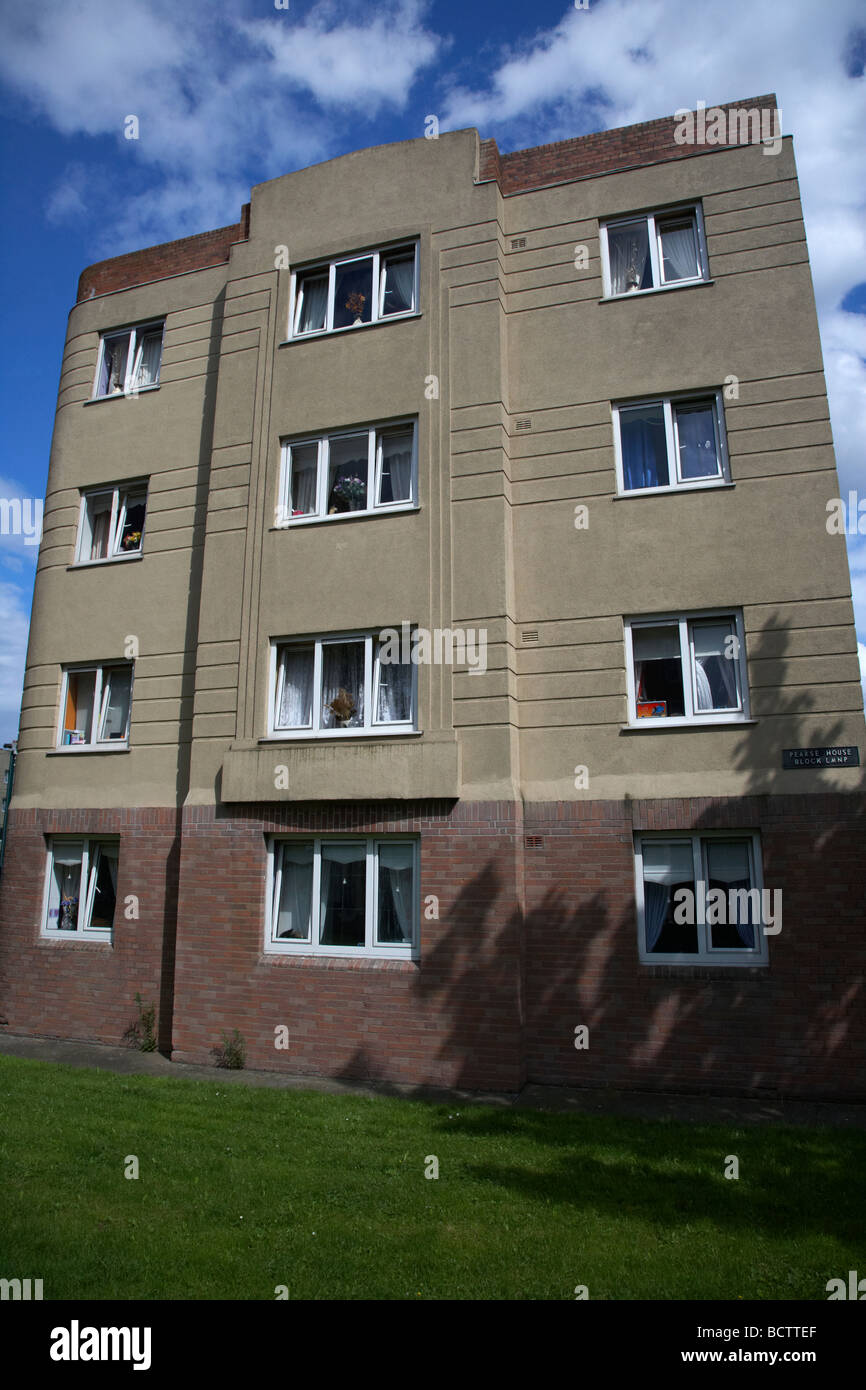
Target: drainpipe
pixel 8 797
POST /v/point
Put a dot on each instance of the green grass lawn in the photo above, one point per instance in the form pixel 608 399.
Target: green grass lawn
pixel 242 1189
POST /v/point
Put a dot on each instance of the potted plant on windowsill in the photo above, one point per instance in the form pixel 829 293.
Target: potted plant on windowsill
pixel 355 305
pixel 345 493
pixel 342 707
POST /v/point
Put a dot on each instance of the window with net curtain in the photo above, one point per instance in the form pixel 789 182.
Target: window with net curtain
pixel 342 701
pixel 663 664
pixel 130 361
pixel 362 472
pixel 355 291
pixel 652 251
pixel 82 888
pixel 357 893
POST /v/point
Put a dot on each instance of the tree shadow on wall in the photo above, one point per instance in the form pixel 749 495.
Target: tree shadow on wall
pixel 581 950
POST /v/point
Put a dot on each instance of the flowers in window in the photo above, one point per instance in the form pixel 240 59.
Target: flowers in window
pixel 355 305
pixel 349 490
pixel 342 706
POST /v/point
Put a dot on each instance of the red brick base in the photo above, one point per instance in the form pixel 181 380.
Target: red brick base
pixel 536 934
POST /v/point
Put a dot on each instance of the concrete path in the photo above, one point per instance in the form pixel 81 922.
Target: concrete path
pixel 645 1105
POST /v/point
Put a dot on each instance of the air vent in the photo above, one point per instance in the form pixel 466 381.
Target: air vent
pixel 531 635
pixel 523 424
pixel 518 243
pixel 533 842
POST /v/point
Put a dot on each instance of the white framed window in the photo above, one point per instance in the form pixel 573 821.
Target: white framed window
pixel 80 888
pixel 700 899
pixel 653 251
pixel 352 472
pixel 111 523
pixel 686 669
pixel 95 703
pixel 340 686
pixel 129 360
pixel 351 291
pixel 343 896
pixel 670 442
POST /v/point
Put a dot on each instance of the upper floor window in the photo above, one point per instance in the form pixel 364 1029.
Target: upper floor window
pixel 336 686
pixel 111 523
pixel 81 888
pixel 355 290
pixel 371 470
pixel 686 669
pixel 352 896
pixel 701 900
pixel 94 707
pixel 672 442
pixel 654 251
pixel 129 360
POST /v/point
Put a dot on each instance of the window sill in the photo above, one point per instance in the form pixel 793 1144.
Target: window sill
pixel 653 726
pixel 75 938
pixel 304 736
pixel 77 748
pixel 349 328
pixel 110 560
pixel 656 289
pixel 298 522
pixel 704 970
pixel 122 395
pixel 717 485
pixel 403 964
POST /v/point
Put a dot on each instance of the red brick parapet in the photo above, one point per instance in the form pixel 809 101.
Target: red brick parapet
pixel 627 147
pixel 170 258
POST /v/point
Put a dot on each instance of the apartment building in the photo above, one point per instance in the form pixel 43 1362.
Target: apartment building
pixel 441 669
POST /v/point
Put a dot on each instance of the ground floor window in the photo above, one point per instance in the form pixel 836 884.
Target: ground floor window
pixel 81 888
pixel 701 899
pixel 343 896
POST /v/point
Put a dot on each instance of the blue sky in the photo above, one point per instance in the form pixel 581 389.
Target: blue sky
pixel 231 92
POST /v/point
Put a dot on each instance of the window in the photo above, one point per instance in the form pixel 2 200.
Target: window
pixel 370 470
pixel 654 251
pixel 356 290
pixel 95 703
pixel 350 896
pixel 686 669
pixel 81 888
pixel 700 899
pixel 111 523
pixel 675 442
pixel 129 360
pixel 335 686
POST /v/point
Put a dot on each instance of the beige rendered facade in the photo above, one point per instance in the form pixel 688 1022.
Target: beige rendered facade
pixel 510 365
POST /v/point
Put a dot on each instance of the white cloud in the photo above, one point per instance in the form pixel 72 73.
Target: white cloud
pixel 14 624
pixel 634 60
pixel 215 94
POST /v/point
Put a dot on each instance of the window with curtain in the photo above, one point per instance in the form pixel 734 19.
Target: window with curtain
pixel 674 442
pixel 699 897
pixel 346 686
pixel 350 895
pixel 82 887
pixel 293 891
pixel 654 251
pixel 338 475
pixel 130 360
pixel 95 707
pixel 111 524
pixel 690 669
pixel 354 291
